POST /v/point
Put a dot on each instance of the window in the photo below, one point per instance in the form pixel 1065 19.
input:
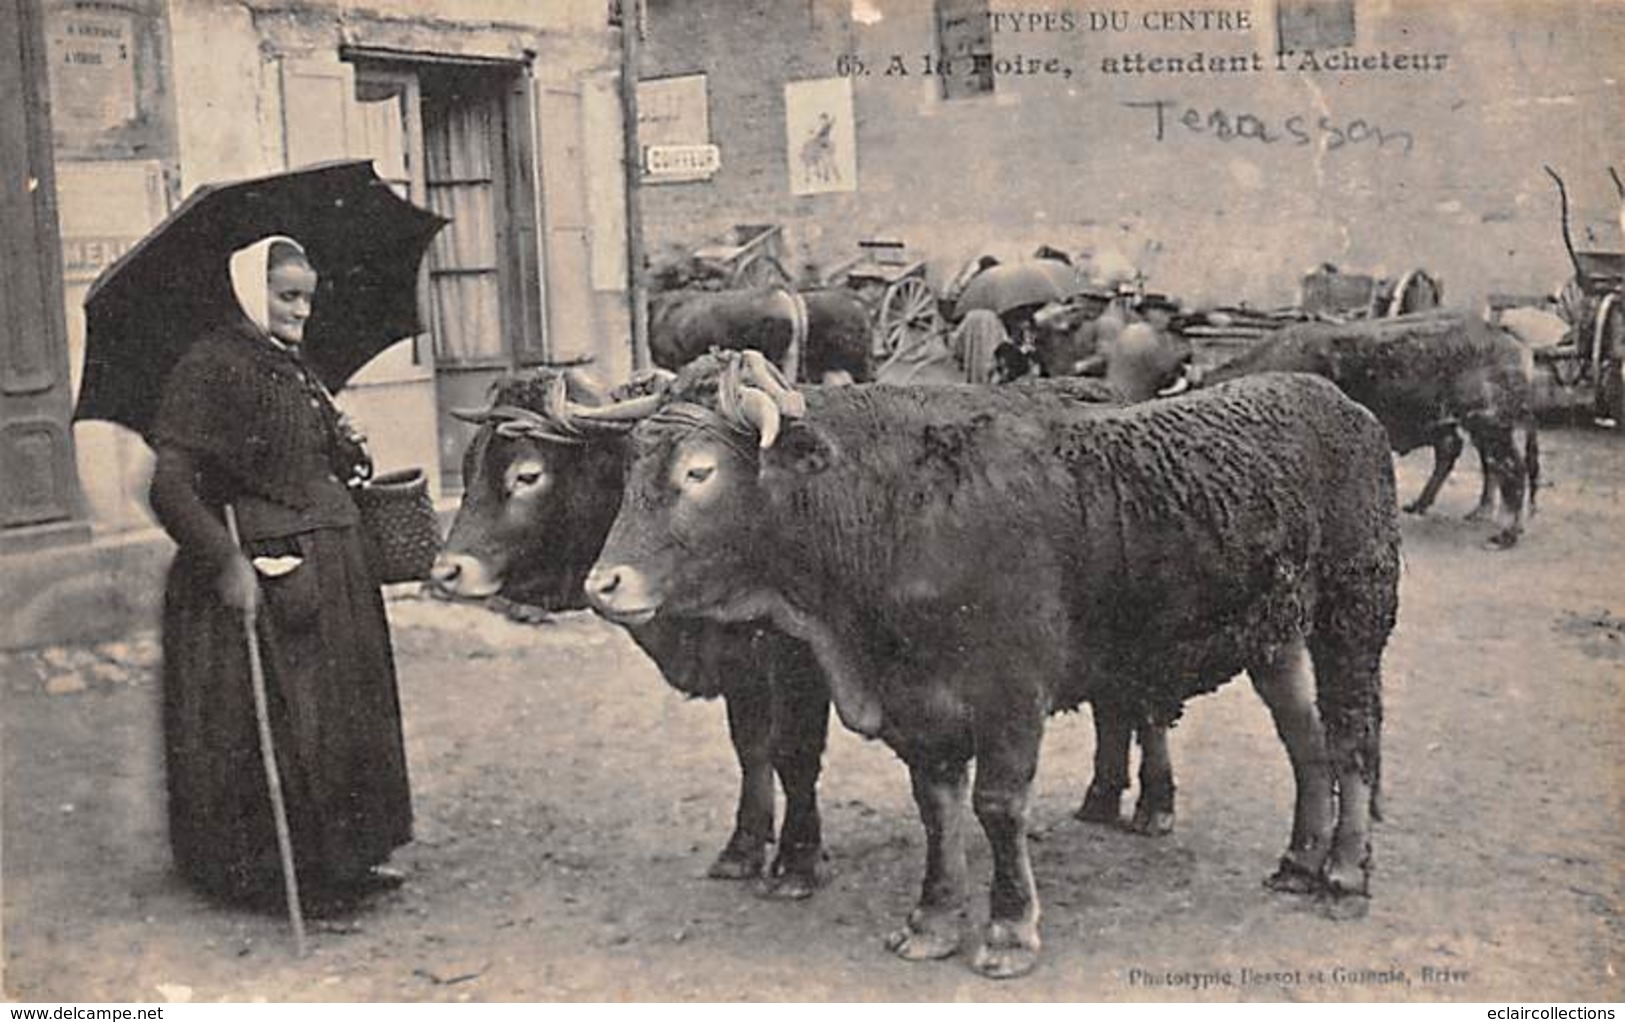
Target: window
pixel 964 48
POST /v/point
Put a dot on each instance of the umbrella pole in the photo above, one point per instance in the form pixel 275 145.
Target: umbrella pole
pixel 273 780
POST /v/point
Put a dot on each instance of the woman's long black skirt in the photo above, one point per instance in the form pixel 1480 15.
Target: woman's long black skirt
pixel 335 717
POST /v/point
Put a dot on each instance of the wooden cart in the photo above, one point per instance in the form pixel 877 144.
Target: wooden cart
pixel 1593 358
pixel 751 255
pixel 903 307
pixel 1220 334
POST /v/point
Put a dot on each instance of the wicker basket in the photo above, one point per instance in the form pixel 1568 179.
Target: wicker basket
pixel 398 520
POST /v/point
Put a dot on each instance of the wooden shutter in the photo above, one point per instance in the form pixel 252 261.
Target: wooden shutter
pixel 606 181
pixel 567 265
pixel 318 108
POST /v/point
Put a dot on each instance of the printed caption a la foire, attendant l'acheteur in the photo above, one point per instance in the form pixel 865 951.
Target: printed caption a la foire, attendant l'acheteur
pixel 1161 24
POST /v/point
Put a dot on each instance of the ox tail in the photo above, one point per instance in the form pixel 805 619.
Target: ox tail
pixel 1531 460
pixel 1376 764
pixel 795 308
pixel 1349 695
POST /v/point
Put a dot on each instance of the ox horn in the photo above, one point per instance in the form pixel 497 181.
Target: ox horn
pixel 631 409
pixel 475 416
pixel 762 412
pixel 657 375
pixel 767 376
pixel 1179 386
pixel 555 400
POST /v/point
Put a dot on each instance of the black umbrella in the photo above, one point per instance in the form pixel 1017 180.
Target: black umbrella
pixel 147 308
pixel 1007 286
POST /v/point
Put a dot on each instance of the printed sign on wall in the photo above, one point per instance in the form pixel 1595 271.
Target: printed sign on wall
pixel 674 130
pixel 821 139
pixel 673 111
pixel 109 78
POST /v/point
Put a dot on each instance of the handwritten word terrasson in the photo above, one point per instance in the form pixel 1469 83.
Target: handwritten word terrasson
pixel 1174 119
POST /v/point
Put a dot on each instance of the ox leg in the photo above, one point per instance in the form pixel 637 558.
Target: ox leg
pixel 1006 761
pixel 1102 802
pixel 934 927
pixel 1154 810
pixel 1446 449
pixel 1531 462
pixel 750 726
pixel 1486 490
pixel 1350 695
pixel 800 732
pixel 1287 687
pixel 1505 465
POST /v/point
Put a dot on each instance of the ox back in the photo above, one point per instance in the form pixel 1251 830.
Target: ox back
pixel 965 561
pixel 684 325
pixel 1424 376
pixel 1023 524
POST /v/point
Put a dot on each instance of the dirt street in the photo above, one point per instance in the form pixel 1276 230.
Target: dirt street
pixel 568 804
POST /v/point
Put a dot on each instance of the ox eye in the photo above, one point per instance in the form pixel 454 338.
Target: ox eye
pixel 699 473
pixel 526 476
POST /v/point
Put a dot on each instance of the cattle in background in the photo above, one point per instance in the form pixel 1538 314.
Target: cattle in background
pixel 1071 337
pixel 965 561
pixel 543 480
pixel 820 336
pixel 1426 377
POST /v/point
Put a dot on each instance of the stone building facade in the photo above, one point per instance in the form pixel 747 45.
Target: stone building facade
pixel 501 114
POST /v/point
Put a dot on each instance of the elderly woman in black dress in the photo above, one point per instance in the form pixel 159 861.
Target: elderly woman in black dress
pixel 244 424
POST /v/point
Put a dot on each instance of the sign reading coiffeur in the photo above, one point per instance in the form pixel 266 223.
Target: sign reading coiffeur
pixel 681 162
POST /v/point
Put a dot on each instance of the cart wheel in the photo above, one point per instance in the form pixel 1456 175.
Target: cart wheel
pixel 762 271
pixel 908 311
pixel 1608 360
pixel 1568 371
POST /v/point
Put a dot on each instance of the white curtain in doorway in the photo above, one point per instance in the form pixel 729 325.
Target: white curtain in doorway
pixel 463 268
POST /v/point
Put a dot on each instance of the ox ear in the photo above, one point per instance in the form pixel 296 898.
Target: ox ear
pixel 801 449
pixel 476 416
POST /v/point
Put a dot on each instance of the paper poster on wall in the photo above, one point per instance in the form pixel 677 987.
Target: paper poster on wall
pixel 822 144
pixel 673 111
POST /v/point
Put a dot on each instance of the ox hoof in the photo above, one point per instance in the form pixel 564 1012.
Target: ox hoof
pixel 742 859
pixel 1415 507
pixel 1100 806
pixel 796 874
pixel 1009 950
pixel 1347 881
pixel 1152 822
pixel 1343 907
pixel 1502 540
pixel 1291 878
pixel 927 937
pixel 1478 514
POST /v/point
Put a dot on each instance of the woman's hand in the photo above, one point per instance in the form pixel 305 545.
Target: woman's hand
pixel 239 585
pixel 353 452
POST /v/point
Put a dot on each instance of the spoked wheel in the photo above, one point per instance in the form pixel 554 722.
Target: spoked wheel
pixel 1608 361
pixel 908 313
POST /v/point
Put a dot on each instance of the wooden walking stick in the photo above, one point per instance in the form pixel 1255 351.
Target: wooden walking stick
pixel 273 780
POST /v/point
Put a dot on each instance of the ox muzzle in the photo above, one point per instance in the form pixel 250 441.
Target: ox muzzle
pixel 622 594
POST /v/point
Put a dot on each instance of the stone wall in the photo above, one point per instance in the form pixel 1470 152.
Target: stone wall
pixel 1286 168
